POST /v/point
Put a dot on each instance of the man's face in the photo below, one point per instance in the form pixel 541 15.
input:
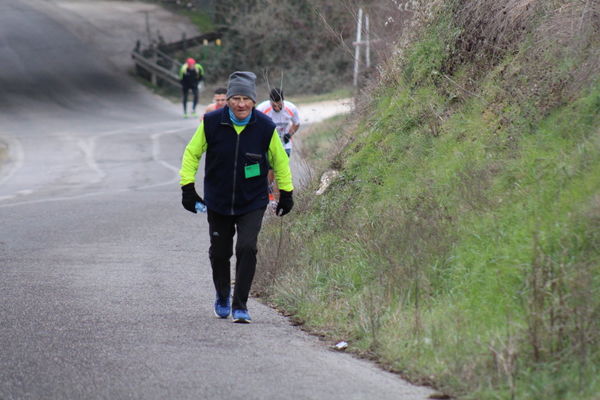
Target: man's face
pixel 220 100
pixel 241 106
pixel 277 105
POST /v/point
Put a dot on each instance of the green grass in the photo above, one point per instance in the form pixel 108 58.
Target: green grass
pixel 200 19
pixel 460 244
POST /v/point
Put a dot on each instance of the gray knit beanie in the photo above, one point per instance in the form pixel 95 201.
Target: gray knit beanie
pixel 242 83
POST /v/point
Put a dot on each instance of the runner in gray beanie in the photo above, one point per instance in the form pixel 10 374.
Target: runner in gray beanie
pixel 242 83
pixel 240 145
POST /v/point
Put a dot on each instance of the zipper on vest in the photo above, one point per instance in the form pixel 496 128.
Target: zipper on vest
pixel 235 162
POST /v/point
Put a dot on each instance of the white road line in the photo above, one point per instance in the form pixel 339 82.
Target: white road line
pixel 88 146
pixel 90 194
pixel 156 150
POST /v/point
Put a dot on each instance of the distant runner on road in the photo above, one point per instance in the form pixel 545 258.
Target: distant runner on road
pixel 285 116
pixel 219 100
pixel 191 74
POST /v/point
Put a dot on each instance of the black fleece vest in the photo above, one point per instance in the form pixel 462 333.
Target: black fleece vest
pixel 227 190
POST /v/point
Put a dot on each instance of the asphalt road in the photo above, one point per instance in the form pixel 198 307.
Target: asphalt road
pixel 105 288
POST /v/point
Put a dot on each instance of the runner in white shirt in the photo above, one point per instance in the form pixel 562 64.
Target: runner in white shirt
pixel 285 116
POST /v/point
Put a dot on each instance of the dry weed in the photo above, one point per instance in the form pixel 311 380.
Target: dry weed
pixel 572 31
pixel 490 29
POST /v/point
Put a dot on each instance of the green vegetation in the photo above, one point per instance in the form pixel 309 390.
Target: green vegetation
pixel 200 12
pixel 460 244
pixel 202 20
pixel 286 41
pixel 306 44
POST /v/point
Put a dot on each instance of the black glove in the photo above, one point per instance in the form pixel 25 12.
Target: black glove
pixel 189 197
pixel 286 138
pixel 286 202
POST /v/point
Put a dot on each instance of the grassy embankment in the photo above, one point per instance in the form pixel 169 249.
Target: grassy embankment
pixel 460 245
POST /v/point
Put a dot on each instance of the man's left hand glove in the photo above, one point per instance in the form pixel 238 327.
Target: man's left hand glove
pixel 286 138
pixel 286 202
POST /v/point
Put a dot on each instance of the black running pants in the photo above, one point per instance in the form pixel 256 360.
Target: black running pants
pixel 222 229
pixel 185 89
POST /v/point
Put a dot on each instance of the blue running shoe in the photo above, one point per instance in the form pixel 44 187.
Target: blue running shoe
pixel 241 316
pixel 222 307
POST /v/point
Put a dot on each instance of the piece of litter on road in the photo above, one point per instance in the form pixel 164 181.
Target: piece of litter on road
pixel 341 346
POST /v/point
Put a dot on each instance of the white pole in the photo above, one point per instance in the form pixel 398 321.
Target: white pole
pixel 368 42
pixel 148 28
pixel 357 46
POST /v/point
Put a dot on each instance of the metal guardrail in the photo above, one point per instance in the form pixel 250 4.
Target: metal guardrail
pixel 157 65
pixel 154 64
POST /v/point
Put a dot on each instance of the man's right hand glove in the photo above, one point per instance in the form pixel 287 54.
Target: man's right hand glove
pixel 286 138
pixel 189 197
pixel 286 202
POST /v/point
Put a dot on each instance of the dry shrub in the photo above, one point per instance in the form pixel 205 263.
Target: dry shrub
pixel 562 319
pixel 573 22
pixel 562 57
pixel 572 31
pixel 281 239
pixel 561 302
pixel 311 60
pixel 404 239
pixel 273 245
pixel 491 28
pixel 472 188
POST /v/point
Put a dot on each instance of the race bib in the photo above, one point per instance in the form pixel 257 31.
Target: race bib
pixel 252 170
